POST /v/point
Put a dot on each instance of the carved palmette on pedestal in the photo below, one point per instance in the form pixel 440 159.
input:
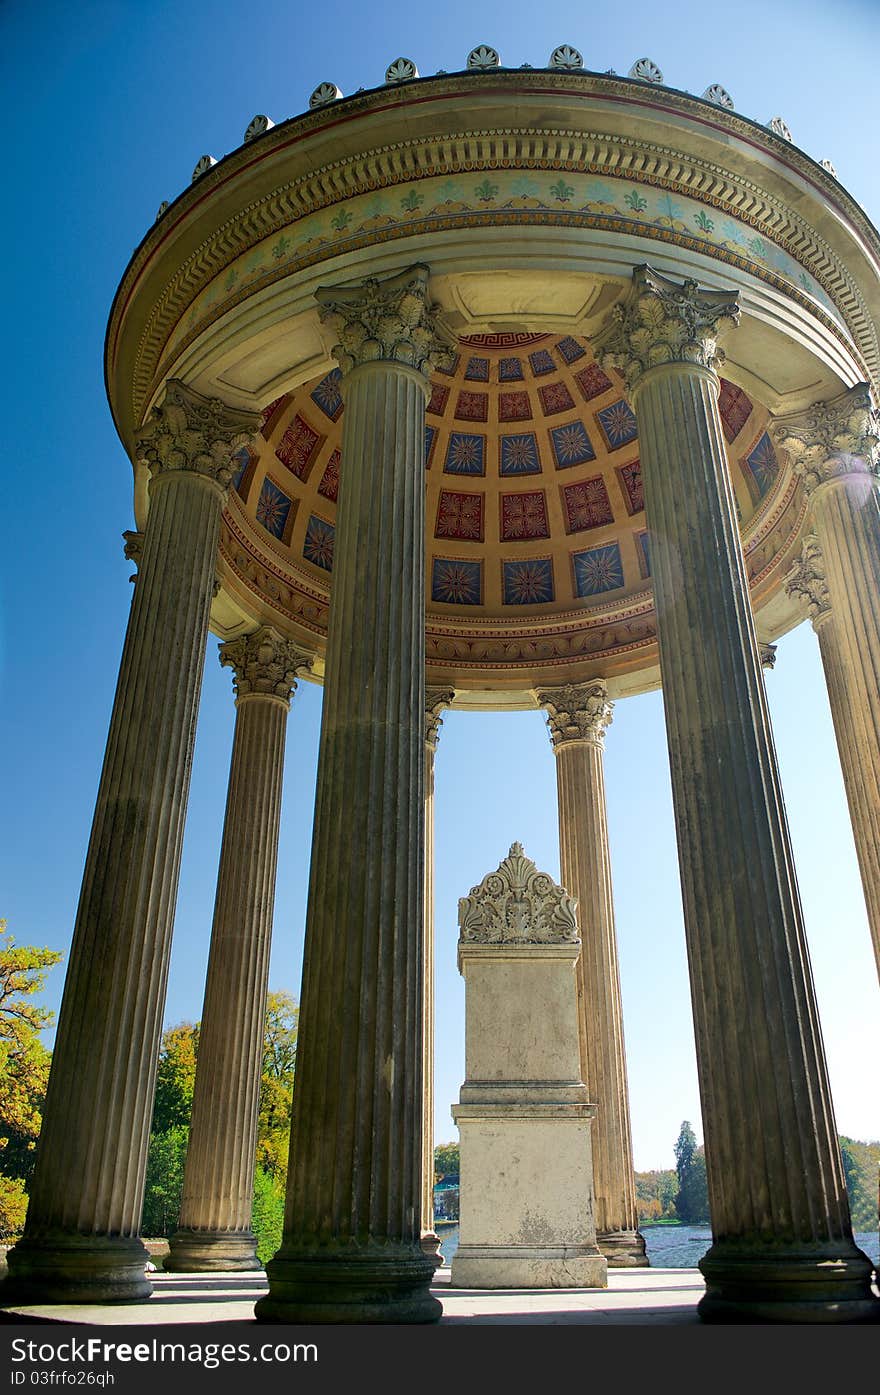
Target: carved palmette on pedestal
pixel 517 904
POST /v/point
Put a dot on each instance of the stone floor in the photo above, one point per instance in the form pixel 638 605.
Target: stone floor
pixel 666 1297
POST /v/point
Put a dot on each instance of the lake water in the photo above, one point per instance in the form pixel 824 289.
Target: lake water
pixel 670 1247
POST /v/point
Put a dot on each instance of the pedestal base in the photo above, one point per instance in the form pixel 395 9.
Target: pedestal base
pixel 208 1252
pixel 350 1286
pixel 821 1285
pixel 431 1247
pixel 76 1269
pixel 502 1266
pixel 623 1249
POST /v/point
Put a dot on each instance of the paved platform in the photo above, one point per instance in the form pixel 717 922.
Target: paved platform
pixel 666 1297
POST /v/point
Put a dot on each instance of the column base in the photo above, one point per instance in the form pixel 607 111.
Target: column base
pixel 381 1284
pixel 212 1251
pixel 519 1266
pixel 831 1283
pixel 64 1268
pixel 623 1249
pixel 431 1247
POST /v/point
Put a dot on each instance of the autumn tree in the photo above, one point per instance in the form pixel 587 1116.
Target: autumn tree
pixel 24 1060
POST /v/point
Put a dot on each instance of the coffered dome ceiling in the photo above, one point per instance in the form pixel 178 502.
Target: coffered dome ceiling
pixel 538 557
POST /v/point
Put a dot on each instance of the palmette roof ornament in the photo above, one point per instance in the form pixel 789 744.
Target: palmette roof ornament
pixel 664 321
pixel 324 94
pixel 258 126
pixel 401 70
pixel 188 431
pixel 202 166
pixel 719 96
pixel 779 128
pixel 163 208
pixel 827 165
pixel 645 70
pixel 517 905
pixel 390 319
pixel 834 438
pixel 577 712
pixel 566 57
pixel 483 57
pixel 266 663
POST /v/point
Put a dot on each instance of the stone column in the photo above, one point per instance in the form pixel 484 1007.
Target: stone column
pixel 854 721
pixel 80 1243
pixel 834 448
pixel 782 1241
pixel 436 699
pixel 578 716
pixel 215 1215
pixel 351 1250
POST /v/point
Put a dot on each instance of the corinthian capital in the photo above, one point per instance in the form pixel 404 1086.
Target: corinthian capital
pixel 190 432
pixel 832 439
pixel 388 320
pixel 436 699
pixel 266 663
pixel 577 712
pixel 662 321
pixel 806 581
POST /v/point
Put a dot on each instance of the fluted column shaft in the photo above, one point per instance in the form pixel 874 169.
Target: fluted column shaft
pixel 87 1193
pixel 586 873
pixel 351 1249
pixel 430 1242
pixel 215 1216
pixel 846 518
pixel 777 1193
pixel 835 448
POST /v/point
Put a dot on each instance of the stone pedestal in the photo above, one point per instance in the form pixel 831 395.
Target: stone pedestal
pixel 435 701
pixel 351 1250
pixel 578 715
pixel 834 448
pixel 782 1241
pixel 524 1115
pixel 215 1215
pixel 80 1243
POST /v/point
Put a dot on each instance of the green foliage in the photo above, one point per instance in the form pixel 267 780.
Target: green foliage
pixel 655 1194
pixel 13 1207
pixel 447 1161
pixel 164 1184
pixel 24 1060
pixel 692 1197
pixel 861 1162
pixel 268 1216
pixel 176 1077
pixel 276 1086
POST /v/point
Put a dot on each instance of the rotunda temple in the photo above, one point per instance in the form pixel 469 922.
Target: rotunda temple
pixel 497 389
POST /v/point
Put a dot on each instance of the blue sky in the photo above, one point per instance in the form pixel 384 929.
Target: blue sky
pixel 109 105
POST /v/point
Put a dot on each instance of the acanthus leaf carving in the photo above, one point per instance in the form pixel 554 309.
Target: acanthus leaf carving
pixel 188 431
pixel 664 321
pixel 265 663
pixel 832 439
pixel 519 905
pixel 389 319
pixel 577 712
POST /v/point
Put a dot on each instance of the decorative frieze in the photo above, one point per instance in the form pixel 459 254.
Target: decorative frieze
pixel 391 319
pixel 265 662
pixel 188 431
pixel 832 439
pixel 664 321
pixel 517 904
pixel 577 712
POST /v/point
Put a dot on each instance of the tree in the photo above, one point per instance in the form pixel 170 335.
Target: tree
pixel 24 1060
pixel 276 1086
pixel 692 1198
pixel 860 1164
pixel 447 1161
pixel 176 1077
